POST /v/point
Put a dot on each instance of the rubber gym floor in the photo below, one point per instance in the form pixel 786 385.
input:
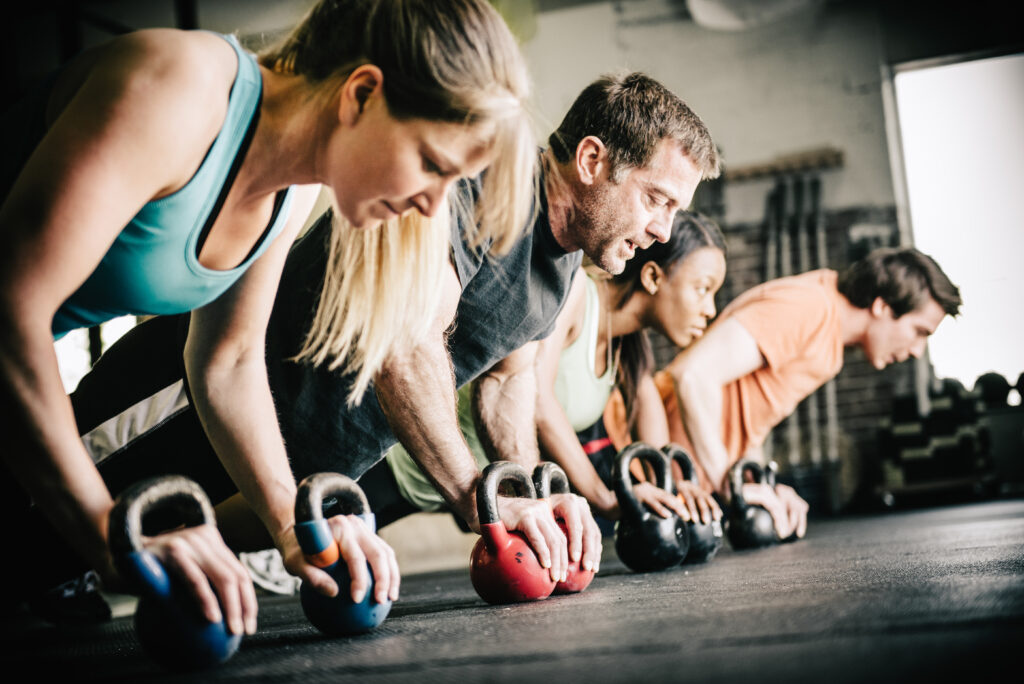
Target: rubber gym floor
pixel 904 596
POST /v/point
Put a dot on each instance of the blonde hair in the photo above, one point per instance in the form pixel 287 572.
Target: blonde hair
pixel 453 61
pixel 379 294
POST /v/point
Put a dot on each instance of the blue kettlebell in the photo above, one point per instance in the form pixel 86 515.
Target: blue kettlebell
pixel 705 538
pixel 168 622
pixel 337 616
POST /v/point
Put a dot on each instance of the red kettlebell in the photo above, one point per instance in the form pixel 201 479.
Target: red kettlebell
pixel 548 478
pixel 503 567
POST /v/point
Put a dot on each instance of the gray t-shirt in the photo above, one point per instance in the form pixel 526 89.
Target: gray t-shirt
pixel 505 303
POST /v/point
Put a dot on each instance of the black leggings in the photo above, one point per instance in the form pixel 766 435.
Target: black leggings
pixel 146 360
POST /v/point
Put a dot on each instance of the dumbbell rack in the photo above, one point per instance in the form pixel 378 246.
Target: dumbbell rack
pixel 945 451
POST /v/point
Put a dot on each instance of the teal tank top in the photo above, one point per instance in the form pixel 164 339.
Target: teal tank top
pixel 153 265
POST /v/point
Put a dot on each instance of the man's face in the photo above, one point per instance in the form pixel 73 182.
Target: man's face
pixel 891 340
pixel 612 220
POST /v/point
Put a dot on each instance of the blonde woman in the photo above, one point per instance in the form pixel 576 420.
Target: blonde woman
pixel 170 171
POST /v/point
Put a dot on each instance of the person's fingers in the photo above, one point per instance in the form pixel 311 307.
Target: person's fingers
pixel 177 555
pixel 763 496
pixel 295 563
pixel 681 506
pixel 802 510
pixel 525 522
pixel 396 575
pixel 796 507
pixel 704 508
pixel 716 510
pixel 564 506
pixel 685 510
pixel 559 545
pixel 246 592
pixel 689 494
pixel 781 517
pixel 352 554
pixel 592 542
pixel 379 555
pixel 649 498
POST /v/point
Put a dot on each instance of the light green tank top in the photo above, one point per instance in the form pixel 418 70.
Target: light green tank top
pixel 581 394
pixel 583 404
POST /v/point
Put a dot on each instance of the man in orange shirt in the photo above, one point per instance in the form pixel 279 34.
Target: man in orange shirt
pixel 778 342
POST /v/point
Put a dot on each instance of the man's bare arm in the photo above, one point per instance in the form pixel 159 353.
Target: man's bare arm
pixel 504 403
pixel 726 353
pixel 416 390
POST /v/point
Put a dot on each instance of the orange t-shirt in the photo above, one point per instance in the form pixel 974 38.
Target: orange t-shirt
pixel 795 323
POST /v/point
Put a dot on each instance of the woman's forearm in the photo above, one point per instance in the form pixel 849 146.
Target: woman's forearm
pixel 42 448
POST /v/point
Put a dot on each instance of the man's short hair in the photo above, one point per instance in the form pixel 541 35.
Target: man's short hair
pixel 631 114
pixel 902 277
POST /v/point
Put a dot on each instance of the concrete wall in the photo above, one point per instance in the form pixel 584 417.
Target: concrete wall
pixel 809 81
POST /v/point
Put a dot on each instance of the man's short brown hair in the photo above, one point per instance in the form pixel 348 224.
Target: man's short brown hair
pixel 631 113
pixel 902 277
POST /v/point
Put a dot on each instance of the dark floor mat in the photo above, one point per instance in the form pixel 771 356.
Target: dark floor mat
pixel 909 596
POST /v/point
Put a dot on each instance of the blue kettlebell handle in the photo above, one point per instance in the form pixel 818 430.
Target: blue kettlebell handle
pixel 311 528
pixel 315 535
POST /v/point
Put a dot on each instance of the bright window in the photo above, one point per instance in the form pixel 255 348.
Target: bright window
pixel 962 132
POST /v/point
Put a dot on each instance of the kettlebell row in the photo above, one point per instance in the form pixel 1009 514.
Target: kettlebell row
pixel 503 566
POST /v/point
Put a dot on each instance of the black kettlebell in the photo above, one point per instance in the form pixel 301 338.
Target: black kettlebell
pixel 338 615
pixel 168 621
pixel 644 541
pixel 750 525
pixel 705 538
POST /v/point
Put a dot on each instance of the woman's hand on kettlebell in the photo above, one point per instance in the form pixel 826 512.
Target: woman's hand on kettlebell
pixel 701 505
pixel 200 558
pixel 358 546
pixel 660 501
pixel 581 528
pixel 534 519
pixel 764 495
